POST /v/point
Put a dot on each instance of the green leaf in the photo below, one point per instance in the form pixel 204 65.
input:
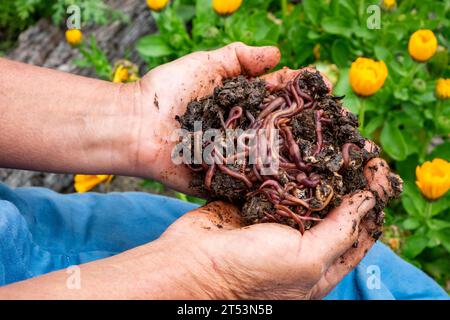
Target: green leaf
pixel 373 124
pixel 153 46
pixel 338 26
pixel 340 53
pixel 393 142
pixel 412 200
pixel 437 224
pixel 414 245
pixel 441 151
pixel 411 223
pixel 440 206
pixel 312 9
pixel 381 53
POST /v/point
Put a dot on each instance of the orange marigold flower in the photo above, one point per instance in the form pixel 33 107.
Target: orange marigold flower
pixel 367 76
pixel 226 7
pixel 433 178
pixel 422 45
pixel 443 88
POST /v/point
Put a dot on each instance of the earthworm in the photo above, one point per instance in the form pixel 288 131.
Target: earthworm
pixel 209 175
pixel 326 202
pixel 278 102
pixel 250 117
pixel 295 217
pixel 235 174
pixel 319 136
pixel 346 148
pixel 235 113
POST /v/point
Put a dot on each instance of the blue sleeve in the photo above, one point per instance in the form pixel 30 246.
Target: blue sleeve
pixel 43 231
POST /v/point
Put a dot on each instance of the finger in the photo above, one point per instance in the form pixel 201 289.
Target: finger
pixel 343 265
pixel 238 58
pixel 382 182
pixel 277 80
pixel 333 236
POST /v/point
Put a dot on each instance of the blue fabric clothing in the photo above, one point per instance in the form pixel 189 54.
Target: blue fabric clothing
pixel 43 231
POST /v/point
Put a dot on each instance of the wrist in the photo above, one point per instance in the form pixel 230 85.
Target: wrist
pixel 138 146
pixel 181 272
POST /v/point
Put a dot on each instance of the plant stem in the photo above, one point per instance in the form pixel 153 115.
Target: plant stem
pixel 428 210
pixel 284 8
pixel 416 67
pixel 437 112
pixel 425 143
pixel 362 111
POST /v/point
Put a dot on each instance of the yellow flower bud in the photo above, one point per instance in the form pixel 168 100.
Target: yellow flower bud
pixel 433 178
pixel 157 5
pixel 124 71
pixel 226 7
pixel 74 36
pixel 121 75
pixel 84 183
pixel 443 89
pixel 422 45
pixel 367 76
pixel 389 4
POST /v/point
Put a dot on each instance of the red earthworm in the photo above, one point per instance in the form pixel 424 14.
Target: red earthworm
pixel 346 148
pixel 299 91
pixel 236 175
pixel 319 136
pixel 296 200
pixel 271 216
pixel 193 168
pixel 325 120
pixel 288 165
pixel 286 97
pixel 235 113
pixel 209 175
pixel 294 149
pixel 293 216
pixel 326 202
pixel 278 102
pixel 273 184
pixel 296 96
pixel 310 182
pixel 283 213
pixel 250 117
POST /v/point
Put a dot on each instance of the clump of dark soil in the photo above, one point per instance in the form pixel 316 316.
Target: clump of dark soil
pixel 320 155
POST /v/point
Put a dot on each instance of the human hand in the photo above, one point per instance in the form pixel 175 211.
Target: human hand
pixel 165 93
pixel 272 261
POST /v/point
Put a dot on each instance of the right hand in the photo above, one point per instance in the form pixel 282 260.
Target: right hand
pixel 273 261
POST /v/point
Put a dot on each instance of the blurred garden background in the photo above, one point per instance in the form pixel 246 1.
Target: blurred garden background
pixel 400 90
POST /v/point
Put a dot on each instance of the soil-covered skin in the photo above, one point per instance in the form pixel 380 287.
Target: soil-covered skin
pixel 322 154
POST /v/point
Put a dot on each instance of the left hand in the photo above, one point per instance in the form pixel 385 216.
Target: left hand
pixel 166 91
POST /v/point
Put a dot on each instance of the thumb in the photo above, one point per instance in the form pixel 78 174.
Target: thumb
pixel 238 58
pixel 333 236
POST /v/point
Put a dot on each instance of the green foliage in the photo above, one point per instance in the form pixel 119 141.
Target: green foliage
pixel 16 15
pixel 402 117
pixel 94 57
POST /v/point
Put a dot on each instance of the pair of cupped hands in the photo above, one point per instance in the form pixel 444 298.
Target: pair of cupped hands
pixel 267 260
